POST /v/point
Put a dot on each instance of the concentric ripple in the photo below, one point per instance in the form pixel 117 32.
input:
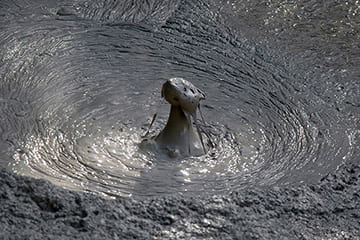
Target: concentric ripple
pixel 80 83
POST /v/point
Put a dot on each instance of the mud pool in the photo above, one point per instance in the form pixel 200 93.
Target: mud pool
pixel 80 82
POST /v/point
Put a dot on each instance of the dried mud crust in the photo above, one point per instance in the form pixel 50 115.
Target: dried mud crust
pixel 36 209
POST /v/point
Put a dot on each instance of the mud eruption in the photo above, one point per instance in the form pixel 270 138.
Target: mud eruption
pixel 179 138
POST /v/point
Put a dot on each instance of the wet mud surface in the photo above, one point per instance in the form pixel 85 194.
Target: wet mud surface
pixel 36 209
pixel 80 80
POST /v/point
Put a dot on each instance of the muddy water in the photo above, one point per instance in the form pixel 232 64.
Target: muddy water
pixel 81 80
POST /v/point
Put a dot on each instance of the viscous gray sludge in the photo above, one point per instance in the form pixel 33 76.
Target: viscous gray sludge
pixel 81 81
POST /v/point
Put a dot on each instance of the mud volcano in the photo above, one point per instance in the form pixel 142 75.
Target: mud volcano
pixel 80 81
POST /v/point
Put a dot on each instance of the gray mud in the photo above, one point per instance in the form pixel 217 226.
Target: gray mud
pixel 36 209
pixel 282 74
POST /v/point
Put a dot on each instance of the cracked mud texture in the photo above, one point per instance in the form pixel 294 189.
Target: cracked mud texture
pixel 36 209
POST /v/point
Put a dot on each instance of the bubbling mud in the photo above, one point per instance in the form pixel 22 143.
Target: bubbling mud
pixel 179 138
pixel 111 162
pixel 114 159
pixel 80 80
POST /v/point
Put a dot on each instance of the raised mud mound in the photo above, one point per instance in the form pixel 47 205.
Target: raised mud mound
pixel 36 209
